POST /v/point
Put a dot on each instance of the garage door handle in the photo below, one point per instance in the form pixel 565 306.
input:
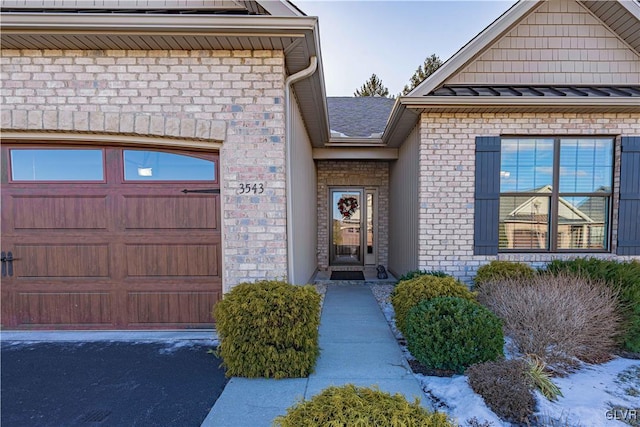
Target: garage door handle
pixel 206 190
pixel 7 263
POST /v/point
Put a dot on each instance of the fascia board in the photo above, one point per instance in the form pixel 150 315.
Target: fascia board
pixel 353 141
pixel 355 153
pixel 279 8
pixel 633 7
pixel 149 23
pixel 506 101
pixel 479 43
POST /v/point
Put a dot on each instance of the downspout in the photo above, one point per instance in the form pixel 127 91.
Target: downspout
pixel 302 74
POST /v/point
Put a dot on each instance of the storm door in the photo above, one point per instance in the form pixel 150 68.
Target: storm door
pixel 347 236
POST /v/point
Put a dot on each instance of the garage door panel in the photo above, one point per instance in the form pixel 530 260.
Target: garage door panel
pixel 110 253
pixel 171 212
pixel 64 308
pixel 62 260
pixel 171 307
pixel 64 212
pixel 172 260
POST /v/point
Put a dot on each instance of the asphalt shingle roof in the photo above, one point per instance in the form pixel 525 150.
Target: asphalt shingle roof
pixel 359 116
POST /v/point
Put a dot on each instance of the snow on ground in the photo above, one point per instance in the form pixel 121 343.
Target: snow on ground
pixel 594 396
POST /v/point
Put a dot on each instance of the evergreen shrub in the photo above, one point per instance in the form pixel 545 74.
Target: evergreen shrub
pixel 360 406
pixel 623 277
pixel 453 333
pixel 501 270
pixel 505 387
pixel 409 293
pixel 415 273
pixel 268 329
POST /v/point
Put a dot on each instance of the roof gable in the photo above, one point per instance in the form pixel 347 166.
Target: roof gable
pixel 549 42
pixel 559 43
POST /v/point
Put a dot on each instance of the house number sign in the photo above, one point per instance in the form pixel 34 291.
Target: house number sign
pixel 251 188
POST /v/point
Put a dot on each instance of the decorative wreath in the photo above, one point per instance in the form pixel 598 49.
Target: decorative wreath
pixel 347 206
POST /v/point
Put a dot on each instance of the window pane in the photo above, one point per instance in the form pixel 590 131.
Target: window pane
pixel 56 165
pixel 526 165
pixel 586 165
pixel 524 222
pixel 160 166
pixel 583 222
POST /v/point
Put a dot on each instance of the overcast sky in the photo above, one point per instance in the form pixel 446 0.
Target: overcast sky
pixel 392 38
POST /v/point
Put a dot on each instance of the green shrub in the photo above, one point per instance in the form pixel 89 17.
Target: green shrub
pixel 409 293
pixel 268 329
pixel 505 387
pixel 415 273
pixel 624 277
pixel 500 270
pixel 453 333
pixel 359 406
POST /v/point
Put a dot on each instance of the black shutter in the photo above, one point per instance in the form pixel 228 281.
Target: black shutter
pixel 487 195
pixel 629 208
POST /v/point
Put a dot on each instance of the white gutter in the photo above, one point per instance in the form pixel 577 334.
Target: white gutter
pixel 300 75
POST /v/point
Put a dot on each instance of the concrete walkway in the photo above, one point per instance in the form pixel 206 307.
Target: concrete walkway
pixel 357 347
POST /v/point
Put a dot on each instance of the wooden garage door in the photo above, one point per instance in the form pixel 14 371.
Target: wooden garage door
pixel 107 238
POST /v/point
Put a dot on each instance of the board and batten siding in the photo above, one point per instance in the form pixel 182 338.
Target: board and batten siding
pixel 629 213
pixel 303 192
pixel 403 207
pixel 561 42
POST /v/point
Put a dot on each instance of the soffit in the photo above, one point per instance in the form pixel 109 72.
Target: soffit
pixel 623 17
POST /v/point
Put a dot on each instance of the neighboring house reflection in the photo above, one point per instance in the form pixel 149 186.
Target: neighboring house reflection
pixel 524 221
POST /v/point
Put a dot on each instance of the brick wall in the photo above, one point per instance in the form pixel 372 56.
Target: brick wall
pixel 236 97
pixel 352 174
pixel 447 170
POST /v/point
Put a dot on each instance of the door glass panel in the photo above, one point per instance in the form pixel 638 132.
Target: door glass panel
pixel 57 165
pixel 369 224
pixel 160 166
pixel 346 233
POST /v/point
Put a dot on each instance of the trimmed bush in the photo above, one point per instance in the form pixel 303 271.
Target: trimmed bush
pixel 268 329
pixel 415 273
pixel 558 318
pixel 453 333
pixel 624 277
pixel 409 293
pixel 505 388
pixel 360 406
pixel 500 270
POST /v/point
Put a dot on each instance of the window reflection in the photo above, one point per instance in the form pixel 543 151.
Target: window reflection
pixel 526 164
pixel 524 222
pixel 574 216
pixel 160 166
pixel 582 222
pixel 586 166
pixel 57 165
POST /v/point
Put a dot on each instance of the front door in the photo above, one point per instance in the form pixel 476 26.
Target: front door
pixel 353 233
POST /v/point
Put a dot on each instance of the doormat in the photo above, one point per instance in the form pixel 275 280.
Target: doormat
pixel 347 275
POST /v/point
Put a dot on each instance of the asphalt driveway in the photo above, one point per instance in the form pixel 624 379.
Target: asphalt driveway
pixel 108 383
